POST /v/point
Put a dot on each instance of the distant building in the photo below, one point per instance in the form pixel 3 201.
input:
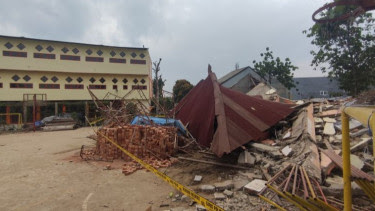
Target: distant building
pixel 245 79
pixel 60 72
pixel 316 87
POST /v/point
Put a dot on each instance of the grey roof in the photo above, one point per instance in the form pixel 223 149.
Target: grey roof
pixel 231 74
pixel 310 87
pixel 4 36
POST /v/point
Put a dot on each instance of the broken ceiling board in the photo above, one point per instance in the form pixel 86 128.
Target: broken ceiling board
pixel 353 124
pixel 329 129
pixel 359 133
pixel 360 145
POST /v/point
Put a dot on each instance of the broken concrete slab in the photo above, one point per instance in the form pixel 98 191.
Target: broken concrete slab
pixel 207 188
pixel 359 133
pixel 251 175
pixel 246 159
pixel 219 196
pixel 319 138
pixel 228 193
pixel 287 151
pixel 336 187
pixel 274 152
pixel 329 129
pixel 221 186
pixel 330 120
pixel 198 178
pixel 356 161
pixel 255 186
pixel 240 183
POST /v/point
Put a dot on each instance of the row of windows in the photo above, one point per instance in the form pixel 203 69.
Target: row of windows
pixel 71 57
pixel 70 86
pixel 79 79
pixel 65 50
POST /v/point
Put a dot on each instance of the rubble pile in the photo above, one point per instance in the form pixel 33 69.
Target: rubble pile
pixel 142 141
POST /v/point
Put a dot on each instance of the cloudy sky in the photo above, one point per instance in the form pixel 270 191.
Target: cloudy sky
pixel 186 34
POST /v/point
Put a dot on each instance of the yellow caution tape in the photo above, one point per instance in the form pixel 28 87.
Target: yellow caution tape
pixel 95 121
pixel 183 189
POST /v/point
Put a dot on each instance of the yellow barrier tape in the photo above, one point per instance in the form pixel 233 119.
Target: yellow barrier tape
pixel 95 121
pixel 183 189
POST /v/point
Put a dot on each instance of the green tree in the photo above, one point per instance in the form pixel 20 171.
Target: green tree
pixel 161 86
pixel 271 68
pixel 180 89
pixel 346 50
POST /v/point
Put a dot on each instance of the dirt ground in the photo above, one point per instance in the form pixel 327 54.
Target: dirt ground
pixel 41 171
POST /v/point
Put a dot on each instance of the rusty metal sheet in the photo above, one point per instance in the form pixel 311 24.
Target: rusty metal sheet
pixel 224 119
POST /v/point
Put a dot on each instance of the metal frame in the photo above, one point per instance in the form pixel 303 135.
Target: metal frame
pixel 364 114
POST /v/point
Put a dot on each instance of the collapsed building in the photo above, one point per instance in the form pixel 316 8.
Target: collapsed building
pixel 288 153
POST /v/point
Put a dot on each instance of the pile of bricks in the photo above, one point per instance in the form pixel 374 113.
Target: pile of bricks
pixel 143 141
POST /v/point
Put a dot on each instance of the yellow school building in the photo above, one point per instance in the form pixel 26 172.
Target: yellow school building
pixel 59 74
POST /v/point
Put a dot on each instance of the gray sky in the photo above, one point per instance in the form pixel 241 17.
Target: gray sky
pixel 186 34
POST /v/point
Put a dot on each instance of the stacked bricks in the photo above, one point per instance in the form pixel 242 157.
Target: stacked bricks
pixel 143 141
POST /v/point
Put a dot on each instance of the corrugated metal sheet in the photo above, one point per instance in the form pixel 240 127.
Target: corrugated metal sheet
pixel 224 119
pixel 356 173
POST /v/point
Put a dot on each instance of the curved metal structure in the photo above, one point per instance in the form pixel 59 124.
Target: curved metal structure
pixel 362 7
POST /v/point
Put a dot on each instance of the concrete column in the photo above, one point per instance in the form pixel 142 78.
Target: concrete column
pixel 56 108
pixel 24 112
pixel 37 112
pixel 7 118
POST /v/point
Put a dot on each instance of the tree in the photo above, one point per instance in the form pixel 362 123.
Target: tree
pixel 180 89
pixel 346 50
pixel 156 69
pixel 271 68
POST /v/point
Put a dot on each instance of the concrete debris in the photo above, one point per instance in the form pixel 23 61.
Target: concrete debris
pixel 240 183
pixel 228 193
pixel 207 188
pixel 219 196
pixel 353 124
pixel 198 178
pixel 274 152
pixel 318 120
pixel 251 176
pixel 255 187
pixel 287 135
pixel 221 186
pixel 287 151
pixel 329 129
pixel 359 133
pixel 330 120
pixel 362 144
pixel 246 159
pixel 356 161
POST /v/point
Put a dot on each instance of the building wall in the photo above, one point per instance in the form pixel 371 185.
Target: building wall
pixel 62 89
pixel 316 87
pixel 43 59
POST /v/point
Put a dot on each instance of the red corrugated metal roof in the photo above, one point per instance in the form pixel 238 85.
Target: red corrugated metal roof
pixel 224 119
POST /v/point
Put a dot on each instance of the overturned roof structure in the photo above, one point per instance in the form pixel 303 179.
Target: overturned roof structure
pixel 224 119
